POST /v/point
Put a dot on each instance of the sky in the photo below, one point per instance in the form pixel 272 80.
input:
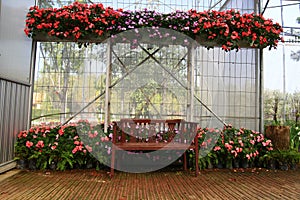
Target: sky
pixel 274 59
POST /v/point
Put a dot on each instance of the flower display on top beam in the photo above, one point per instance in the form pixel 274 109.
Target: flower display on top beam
pixel 86 23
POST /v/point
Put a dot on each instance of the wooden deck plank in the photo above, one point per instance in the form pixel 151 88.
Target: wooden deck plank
pixel 164 184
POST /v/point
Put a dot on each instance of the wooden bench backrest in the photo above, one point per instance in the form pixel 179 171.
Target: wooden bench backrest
pixel 153 131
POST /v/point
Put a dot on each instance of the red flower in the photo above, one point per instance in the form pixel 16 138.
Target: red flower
pixel 224 47
pixel 235 35
pixel 99 32
pixel 61 131
pixel 217 148
pixel 224 26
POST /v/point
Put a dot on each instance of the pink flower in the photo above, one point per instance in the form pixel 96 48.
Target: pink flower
pixel 238 149
pixel 234 152
pixel 40 144
pixel 95 133
pixel 204 144
pixel 217 148
pixel 90 149
pixel 53 147
pixel 228 146
pixel 270 149
pixel 29 144
pixel 209 140
pixel 91 135
pixel 74 150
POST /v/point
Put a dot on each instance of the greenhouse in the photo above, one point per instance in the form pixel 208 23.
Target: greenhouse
pixel 117 82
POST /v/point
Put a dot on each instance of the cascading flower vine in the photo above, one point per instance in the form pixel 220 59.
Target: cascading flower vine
pixel 83 23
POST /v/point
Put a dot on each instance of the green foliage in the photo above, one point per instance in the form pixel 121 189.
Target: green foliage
pixel 295 138
pixel 64 146
pixel 231 144
pixel 280 157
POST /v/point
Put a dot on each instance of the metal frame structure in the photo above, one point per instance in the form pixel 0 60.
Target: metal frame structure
pixel 235 98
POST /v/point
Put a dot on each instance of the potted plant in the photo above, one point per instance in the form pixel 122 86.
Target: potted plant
pixel 291 158
pixel 268 160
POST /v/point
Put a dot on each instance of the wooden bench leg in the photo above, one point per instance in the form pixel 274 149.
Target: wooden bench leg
pixel 184 162
pixel 112 162
pixel 196 161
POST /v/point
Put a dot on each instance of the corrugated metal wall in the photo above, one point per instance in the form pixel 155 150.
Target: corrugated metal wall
pixel 14 108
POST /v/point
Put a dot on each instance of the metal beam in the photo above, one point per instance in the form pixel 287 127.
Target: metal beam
pixel 108 83
pixel 111 86
pixel 184 86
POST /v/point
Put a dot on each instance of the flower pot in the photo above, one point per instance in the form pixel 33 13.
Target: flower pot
pixel 53 166
pixel 283 166
pixel 271 165
pixel 236 163
pixel 89 165
pixel 293 166
pixel 220 166
pixel 76 166
pixel 32 164
pixel 22 164
pixel 210 165
pixel 244 163
pixel 229 164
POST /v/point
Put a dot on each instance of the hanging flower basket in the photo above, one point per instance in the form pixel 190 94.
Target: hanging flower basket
pixel 84 23
pixel 44 37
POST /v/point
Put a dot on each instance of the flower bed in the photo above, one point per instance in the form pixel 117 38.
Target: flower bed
pixel 63 147
pixel 85 23
pixel 82 145
pixel 234 148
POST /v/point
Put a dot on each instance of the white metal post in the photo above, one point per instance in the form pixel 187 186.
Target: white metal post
pixel 107 86
pixel 190 83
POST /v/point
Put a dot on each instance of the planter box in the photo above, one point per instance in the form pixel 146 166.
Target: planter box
pixel 280 136
pixel 201 40
pixel 44 37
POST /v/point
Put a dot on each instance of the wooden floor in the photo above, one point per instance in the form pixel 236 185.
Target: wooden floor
pixel 210 184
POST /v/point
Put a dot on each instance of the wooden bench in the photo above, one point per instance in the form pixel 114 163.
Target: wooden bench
pixel 154 135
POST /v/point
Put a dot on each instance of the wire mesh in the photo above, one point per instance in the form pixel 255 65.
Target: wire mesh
pixel 67 78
